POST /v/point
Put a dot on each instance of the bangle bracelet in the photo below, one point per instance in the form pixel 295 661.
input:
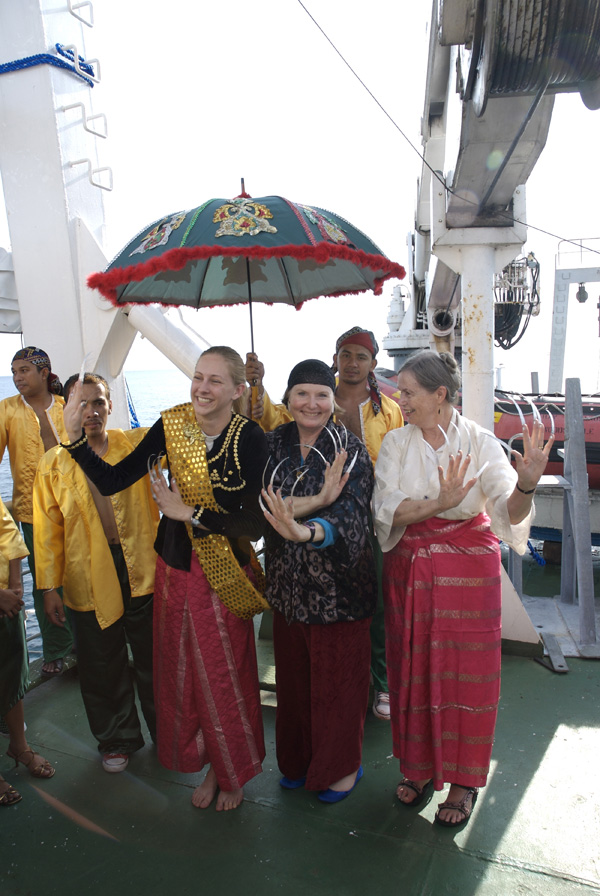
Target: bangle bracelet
pixel 313 531
pixel 529 491
pixel 48 590
pixel 77 444
pixel 195 518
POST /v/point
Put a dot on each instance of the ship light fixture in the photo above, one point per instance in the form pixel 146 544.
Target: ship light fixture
pixel 581 294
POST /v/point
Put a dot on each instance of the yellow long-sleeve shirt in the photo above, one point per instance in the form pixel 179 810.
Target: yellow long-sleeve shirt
pixel 70 545
pixel 20 433
pixel 12 546
pixel 373 426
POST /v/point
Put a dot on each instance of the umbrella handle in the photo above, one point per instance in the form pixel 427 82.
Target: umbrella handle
pixel 256 400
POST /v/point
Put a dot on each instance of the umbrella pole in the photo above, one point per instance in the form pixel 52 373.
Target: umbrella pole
pixel 250 304
pixel 253 386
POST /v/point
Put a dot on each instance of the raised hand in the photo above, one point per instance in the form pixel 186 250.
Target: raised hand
pixel 280 514
pixel 169 500
pixel 255 369
pixel 334 480
pixel 453 487
pixel 531 464
pixel 73 411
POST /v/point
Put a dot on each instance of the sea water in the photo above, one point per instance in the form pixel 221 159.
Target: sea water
pixel 151 392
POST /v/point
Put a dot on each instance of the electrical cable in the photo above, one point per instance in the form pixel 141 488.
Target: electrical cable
pixel 509 218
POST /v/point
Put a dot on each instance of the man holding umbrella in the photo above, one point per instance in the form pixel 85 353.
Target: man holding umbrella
pixel 369 415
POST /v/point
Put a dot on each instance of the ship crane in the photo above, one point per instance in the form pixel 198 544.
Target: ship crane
pixel 493 71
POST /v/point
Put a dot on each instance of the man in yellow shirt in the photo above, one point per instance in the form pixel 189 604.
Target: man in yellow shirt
pixel 30 424
pixel 100 550
pixel 369 415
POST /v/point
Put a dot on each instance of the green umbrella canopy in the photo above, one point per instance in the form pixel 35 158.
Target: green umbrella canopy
pixel 229 251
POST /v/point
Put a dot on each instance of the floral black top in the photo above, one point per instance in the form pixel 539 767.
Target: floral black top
pixel 336 583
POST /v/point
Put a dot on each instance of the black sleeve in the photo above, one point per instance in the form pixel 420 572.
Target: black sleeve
pixel 109 479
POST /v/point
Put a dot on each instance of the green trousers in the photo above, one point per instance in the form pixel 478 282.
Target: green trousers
pixel 56 642
pixel 14 664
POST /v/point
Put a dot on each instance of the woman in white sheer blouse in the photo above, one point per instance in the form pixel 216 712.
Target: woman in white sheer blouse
pixel 444 494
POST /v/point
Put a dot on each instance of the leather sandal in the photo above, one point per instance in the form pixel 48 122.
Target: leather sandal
pixel 461 806
pixel 422 794
pixel 58 668
pixel 41 769
pixel 9 796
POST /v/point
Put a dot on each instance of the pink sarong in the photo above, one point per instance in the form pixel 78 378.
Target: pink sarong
pixel 206 686
pixel 443 637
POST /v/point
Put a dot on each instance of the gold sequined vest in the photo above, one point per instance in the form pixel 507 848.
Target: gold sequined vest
pixel 186 450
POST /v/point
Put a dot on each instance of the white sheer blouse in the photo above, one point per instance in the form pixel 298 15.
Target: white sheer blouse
pixel 407 467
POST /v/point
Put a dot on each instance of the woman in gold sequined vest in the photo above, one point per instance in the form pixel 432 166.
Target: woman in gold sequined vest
pixel 207 585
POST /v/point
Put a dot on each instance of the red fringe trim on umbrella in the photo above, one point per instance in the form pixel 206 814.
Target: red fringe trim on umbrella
pixel 175 259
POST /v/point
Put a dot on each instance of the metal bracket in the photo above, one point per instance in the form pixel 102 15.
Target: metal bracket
pixel 95 78
pixel 85 119
pixel 80 5
pixel 555 660
pixel 93 171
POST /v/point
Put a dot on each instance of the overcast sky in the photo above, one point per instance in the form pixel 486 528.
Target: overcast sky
pixel 198 95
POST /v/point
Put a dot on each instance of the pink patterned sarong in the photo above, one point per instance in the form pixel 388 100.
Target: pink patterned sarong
pixel 443 637
pixel 205 680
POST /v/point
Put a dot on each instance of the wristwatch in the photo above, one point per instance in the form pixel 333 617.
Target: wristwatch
pixel 198 511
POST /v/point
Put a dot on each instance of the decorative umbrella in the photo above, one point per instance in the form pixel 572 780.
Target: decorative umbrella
pixel 228 251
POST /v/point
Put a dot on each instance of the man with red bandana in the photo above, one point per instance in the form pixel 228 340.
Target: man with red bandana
pixel 369 415
pixel 31 423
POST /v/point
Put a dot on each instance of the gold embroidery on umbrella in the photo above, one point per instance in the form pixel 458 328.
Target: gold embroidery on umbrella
pixel 160 233
pixel 241 216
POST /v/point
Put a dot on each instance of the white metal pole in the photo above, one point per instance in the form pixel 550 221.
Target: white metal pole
pixel 478 333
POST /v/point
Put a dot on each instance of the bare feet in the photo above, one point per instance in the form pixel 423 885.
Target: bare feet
pixel 229 799
pixel 406 794
pixel 203 795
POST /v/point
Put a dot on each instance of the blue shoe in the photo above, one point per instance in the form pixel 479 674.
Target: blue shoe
pixel 290 784
pixel 334 796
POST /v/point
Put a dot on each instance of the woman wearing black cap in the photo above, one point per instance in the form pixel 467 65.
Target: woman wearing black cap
pixel 321 585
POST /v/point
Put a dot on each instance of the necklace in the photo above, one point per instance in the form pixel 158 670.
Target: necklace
pixel 104 448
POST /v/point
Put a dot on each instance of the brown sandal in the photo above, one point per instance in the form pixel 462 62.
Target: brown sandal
pixel 422 794
pixel 460 806
pixel 42 769
pixel 9 796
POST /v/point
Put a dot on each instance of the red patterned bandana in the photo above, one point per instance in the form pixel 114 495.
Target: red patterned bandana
pixel 358 336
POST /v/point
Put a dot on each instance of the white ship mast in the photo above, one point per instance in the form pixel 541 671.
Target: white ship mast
pixel 52 140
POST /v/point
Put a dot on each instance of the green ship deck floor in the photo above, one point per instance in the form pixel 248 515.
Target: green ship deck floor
pixel 535 829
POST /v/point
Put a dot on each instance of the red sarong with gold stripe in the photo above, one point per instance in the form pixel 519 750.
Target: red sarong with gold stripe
pixel 206 686
pixel 443 636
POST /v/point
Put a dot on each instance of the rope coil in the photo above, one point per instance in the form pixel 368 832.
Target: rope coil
pixel 49 59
